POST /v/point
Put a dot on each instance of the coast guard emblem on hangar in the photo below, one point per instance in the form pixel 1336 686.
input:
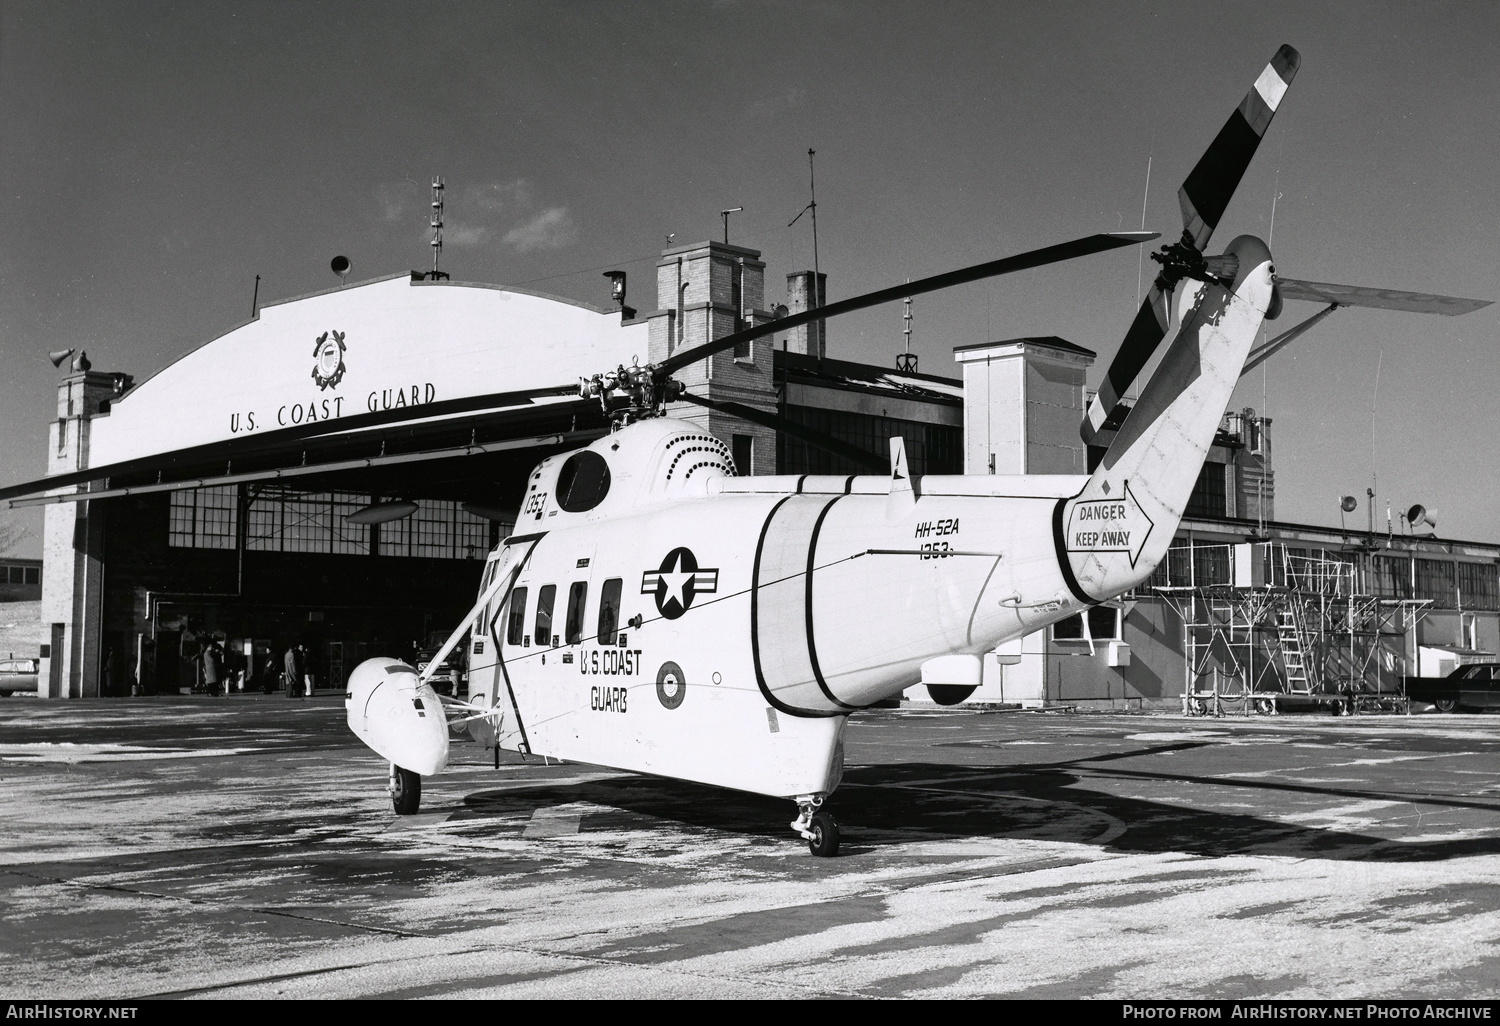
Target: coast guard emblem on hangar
pixel 328 359
pixel 678 582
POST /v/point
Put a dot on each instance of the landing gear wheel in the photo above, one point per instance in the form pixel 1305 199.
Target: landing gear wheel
pixel 1446 705
pixel 824 829
pixel 406 791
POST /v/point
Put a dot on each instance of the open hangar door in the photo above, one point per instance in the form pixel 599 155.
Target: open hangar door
pixel 265 557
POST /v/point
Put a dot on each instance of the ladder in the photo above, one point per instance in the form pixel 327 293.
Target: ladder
pixel 1292 652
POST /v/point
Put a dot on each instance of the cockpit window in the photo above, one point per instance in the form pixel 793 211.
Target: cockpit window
pixel 583 481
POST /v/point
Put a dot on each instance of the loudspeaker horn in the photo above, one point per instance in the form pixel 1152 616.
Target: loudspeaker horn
pixel 1420 514
pixel 341 266
pixel 59 356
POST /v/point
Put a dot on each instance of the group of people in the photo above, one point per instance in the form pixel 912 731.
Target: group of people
pixel 296 677
pixel 216 677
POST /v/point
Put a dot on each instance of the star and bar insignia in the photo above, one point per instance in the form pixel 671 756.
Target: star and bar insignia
pixel 678 581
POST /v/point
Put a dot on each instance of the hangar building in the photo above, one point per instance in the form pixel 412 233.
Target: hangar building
pixel 210 499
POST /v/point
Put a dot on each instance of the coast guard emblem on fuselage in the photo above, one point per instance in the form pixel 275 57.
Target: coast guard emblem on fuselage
pixel 328 359
pixel 678 582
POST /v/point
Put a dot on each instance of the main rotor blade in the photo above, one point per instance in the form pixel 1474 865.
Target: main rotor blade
pixel 1380 299
pixel 812 436
pixel 1005 265
pixel 1208 188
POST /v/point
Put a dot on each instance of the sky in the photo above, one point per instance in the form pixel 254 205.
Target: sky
pixel 156 157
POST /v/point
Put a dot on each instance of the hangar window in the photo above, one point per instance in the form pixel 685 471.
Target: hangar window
pixel 516 626
pixel 1210 496
pixel 34 576
pixel 578 593
pixel 1196 564
pixel 583 481
pixel 542 632
pixel 439 529
pixel 609 610
pixel 1478 586
pixel 204 518
pixel 1435 581
pixel 1390 576
pixel 282 520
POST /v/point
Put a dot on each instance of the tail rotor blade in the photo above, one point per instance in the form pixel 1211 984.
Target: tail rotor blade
pixel 1209 187
pixel 1203 197
pixel 1145 334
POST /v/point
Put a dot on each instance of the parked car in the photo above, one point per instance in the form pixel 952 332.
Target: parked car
pixel 452 676
pixel 17 675
pixel 1469 688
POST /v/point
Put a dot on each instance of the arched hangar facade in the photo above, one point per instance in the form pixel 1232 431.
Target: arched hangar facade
pixel 210 500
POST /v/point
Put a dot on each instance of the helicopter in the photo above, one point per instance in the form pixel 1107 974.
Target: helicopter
pixel 655 612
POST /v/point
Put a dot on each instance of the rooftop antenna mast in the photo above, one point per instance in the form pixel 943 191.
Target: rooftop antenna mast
pixel 437 225
pixel 812 187
pixel 907 361
pixel 725 215
pixel 815 300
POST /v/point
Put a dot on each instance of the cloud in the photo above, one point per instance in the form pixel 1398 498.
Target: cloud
pixel 480 213
pixel 465 235
pixel 394 200
pixel 494 197
pixel 552 228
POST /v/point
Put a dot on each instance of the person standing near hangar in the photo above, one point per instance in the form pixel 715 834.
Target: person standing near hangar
pixel 292 665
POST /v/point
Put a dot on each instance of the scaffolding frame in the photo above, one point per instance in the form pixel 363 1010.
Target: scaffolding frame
pixel 1310 633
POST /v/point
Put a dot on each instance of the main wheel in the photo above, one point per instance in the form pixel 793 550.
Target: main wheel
pixel 407 795
pixel 1446 705
pixel 825 834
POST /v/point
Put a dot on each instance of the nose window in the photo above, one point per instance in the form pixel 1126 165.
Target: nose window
pixel 583 482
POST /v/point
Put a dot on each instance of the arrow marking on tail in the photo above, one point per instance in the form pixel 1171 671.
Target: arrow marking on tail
pixel 1109 525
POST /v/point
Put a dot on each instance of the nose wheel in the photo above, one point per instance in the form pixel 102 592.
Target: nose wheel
pixel 817 826
pixel 406 790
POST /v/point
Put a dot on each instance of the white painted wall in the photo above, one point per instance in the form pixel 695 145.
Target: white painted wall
pixel 448 340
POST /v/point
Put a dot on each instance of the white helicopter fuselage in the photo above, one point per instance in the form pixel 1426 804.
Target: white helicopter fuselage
pixel 653 612
pixel 754 618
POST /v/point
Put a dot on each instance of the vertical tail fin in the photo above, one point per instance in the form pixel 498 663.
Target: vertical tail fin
pixel 1114 533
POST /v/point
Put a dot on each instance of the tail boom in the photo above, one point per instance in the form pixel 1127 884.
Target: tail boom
pixel 1112 535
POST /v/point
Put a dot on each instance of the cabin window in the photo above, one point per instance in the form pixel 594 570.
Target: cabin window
pixel 542 632
pixel 578 593
pixel 609 610
pixel 583 482
pixel 517 624
pixel 1104 625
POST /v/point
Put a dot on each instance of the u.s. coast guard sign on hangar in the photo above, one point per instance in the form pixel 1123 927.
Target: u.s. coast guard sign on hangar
pixel 361 349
